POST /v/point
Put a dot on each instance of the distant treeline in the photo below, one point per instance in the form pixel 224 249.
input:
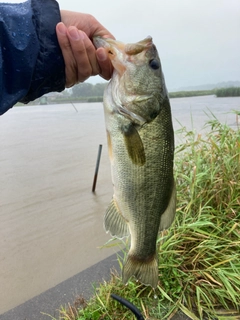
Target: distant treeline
pixel 91 92
pixel 182 94
pixel 87 92
pixel 223 92
pixel 228 92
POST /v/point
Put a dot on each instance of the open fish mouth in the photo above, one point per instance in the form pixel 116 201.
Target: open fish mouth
pixel 129 48
pixel 117 50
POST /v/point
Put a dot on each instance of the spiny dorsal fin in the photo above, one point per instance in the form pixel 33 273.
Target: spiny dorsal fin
pixel 134 145
pixel 115 222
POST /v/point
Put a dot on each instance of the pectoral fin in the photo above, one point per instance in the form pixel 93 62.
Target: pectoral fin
pixel 115 222
pixel 134 145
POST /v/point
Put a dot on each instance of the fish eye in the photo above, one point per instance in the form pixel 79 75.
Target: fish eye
pixel 154 64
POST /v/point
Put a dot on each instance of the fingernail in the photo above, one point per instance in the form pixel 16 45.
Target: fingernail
pixel 61 28
pixel 73 32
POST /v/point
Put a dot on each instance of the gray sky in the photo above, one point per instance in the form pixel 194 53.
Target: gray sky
pixel 198 40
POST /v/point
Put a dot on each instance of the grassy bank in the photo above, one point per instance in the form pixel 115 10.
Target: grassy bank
pixel 199 257
pixel 228 92
pixel 220 93
pixel 186 94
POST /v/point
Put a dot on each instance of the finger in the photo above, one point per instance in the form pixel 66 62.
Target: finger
pixel 97 29
pixel 104 63
pixel 85 22
pixel 84 54
pixel 70 65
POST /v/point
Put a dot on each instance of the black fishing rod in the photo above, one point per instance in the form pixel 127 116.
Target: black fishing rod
pixel 129 305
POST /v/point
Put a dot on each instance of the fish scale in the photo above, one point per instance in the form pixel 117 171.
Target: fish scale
pixel 141 148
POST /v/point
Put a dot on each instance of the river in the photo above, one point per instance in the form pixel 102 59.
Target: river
pixel 51 224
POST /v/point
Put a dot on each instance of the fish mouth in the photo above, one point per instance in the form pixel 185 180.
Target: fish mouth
pixel 129 48
pixel 118 51
pixel 107 43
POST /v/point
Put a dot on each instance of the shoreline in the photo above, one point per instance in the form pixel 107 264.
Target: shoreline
pixel 51 222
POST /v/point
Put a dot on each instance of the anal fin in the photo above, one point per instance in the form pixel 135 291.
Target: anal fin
pixel 114 222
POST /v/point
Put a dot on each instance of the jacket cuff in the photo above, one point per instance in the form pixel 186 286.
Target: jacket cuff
pixel 49 72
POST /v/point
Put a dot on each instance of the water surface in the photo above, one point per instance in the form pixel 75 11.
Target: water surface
pixel 51 224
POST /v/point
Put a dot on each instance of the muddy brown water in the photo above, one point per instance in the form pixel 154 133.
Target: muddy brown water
pixel 51 224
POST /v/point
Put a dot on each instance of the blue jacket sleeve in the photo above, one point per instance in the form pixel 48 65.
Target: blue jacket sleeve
pixel 31 62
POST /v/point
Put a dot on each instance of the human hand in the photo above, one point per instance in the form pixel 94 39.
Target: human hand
pixel 82 60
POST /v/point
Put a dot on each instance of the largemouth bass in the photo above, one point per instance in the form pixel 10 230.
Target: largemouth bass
pixel 141 149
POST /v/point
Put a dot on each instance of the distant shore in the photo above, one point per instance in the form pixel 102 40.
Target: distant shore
pixel 72 98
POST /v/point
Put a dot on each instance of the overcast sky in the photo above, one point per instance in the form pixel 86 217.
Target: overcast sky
pixel 198 40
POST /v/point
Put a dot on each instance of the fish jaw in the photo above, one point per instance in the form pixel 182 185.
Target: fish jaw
pixel 114 49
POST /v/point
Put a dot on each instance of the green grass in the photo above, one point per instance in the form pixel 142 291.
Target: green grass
pixel 199 256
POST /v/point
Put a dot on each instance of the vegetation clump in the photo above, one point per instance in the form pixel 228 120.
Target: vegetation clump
pixel 228 92
pixel 186 94
pixel 199 256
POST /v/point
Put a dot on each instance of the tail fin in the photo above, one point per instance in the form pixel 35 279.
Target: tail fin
pixel 144 271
